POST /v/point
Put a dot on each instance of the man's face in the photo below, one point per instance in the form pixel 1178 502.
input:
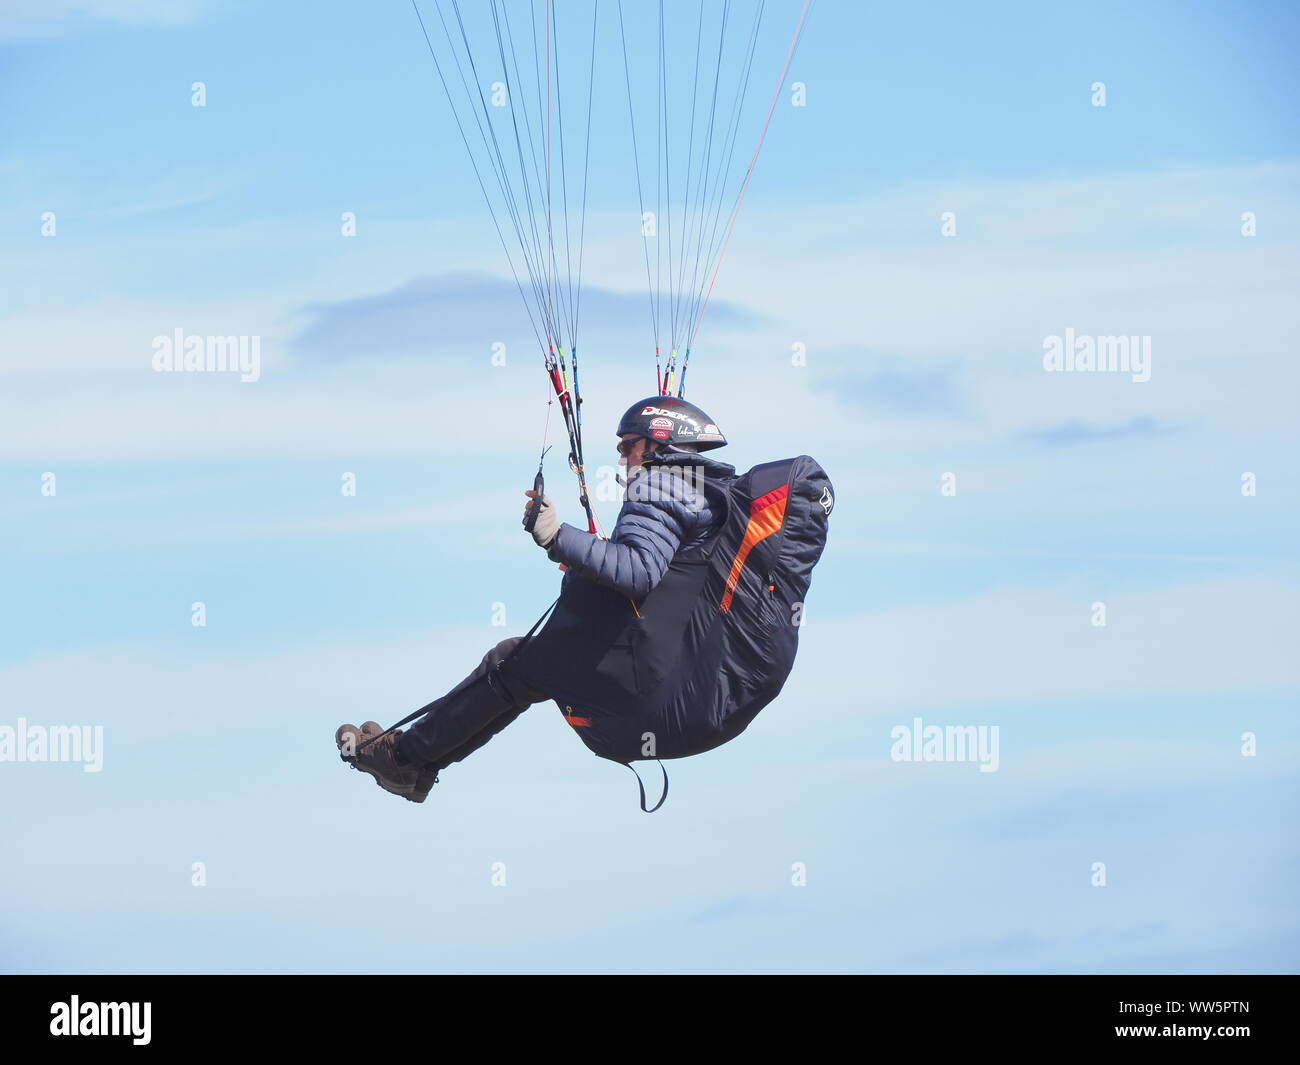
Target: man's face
pixel 631 450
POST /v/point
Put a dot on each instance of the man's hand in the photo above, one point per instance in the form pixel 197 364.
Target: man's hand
pixel 548 522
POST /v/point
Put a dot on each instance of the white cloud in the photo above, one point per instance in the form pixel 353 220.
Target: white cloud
pixel 58 18
pixel 844 279
pixel 1021 646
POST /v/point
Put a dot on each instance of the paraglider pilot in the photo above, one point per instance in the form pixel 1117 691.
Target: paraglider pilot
pixel 673 508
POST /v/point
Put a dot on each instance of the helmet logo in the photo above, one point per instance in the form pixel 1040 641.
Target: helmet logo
pixel 827 501
pixel 661 423
pixel 666 413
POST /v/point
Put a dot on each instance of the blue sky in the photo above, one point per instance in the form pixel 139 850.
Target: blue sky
pixel 1118 744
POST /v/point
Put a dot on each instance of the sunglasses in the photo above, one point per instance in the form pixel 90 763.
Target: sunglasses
pixel 625 446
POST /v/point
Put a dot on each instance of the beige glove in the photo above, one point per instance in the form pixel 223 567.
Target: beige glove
pixel 548 521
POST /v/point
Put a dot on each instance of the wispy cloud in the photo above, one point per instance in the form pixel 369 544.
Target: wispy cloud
pixel 24 19
pixel 459 309
pixel 1076 432
pixel 893 388
pixel 742 906
pixel 1018 646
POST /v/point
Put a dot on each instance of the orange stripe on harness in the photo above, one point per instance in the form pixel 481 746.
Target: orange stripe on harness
pixel 765 516
pixel 572 719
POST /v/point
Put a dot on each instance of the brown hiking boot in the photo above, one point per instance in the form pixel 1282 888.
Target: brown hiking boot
pixel 379 760
pixel 425 779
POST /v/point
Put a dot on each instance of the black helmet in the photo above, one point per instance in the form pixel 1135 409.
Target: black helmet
pixel 669 420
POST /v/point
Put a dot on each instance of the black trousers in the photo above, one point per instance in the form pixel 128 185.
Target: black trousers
pixel 469 715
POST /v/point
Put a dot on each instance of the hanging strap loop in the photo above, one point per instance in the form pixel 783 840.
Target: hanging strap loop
pixel 642 787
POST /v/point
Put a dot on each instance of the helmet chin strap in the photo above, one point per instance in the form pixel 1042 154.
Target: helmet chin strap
pixel 631 472
pixel 659 449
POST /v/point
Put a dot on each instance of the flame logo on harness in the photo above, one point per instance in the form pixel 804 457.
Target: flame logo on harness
pixel 827 501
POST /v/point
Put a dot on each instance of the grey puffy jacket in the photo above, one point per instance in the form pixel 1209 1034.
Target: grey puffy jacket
pixel 667 510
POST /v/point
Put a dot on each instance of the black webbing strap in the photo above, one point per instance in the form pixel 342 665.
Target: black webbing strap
pixel 642 787
pixel 428 706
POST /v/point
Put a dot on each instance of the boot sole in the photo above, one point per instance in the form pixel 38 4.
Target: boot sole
pixel 404 792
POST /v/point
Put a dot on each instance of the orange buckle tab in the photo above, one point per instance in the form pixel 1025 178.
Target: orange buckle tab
pixel 574 720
